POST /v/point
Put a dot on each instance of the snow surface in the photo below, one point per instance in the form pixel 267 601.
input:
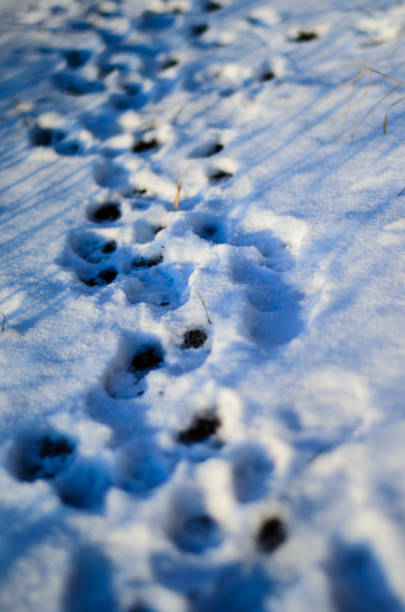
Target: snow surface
pixel 202 408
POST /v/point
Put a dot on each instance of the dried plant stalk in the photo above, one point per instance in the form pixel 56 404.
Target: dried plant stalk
pixel 359 118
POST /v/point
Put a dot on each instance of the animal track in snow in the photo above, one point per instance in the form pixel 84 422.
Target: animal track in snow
pixel 194 338
pixel 83 485
pixel 43 454
pixel 137 357
pixel 202 427
pixel 190 527
pixel 92 247
pixel 305 36
pixel 168 63
pixel 108 173
pixel 156 21
pixel 267 74
pixel 89 585
pixel 143 467
pixel 209 227
pixel 273 306
pixel 199 29
pixel 76 58
pixel 88 254
pixel 147 262
pixel 108 212
pixel 251 471
pixel 57 139
pixel 271 535
pixel 46 137
pixel 76 85
pixel 207 150
pixel 146 146
pixel 212 6
pixel 165 285
pixel 219 175
pixel 104 277
pixel 356 575
pixel 145 231
pixel 119 244
pixel 146 358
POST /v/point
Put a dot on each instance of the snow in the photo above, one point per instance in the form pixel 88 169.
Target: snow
pixel 201 408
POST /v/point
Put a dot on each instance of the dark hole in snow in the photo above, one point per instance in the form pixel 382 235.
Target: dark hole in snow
pixel 168 63
pixel 107 212
pixel 199 29
pixel 220 175
pixel 76 58
pixel 165 303
pixel 267 75
pixel 212 6
pixel 305 36
pixel 201 428
pixel 53 448
pixel 45 137
pixel 105 277
pixel 212 232
pixel 146 145
pixel 132 89
pixel 194 338
pixel 217 148
pixel 109 247
pixel 149 358
pixel 142 262
pixel 41 137
pixel 271 534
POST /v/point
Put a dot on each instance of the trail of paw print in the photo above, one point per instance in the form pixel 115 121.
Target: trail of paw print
pixel 272 308
pixel 51 455
pixel 128 375
pixel 94 255
pixel 55 138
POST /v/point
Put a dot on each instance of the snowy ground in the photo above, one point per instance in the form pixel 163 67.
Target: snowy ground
pixel 202 409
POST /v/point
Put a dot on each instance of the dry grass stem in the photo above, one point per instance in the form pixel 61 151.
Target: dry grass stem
pixel 358 118
pixel 179 185
pixel 177 196
pixel 205 308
